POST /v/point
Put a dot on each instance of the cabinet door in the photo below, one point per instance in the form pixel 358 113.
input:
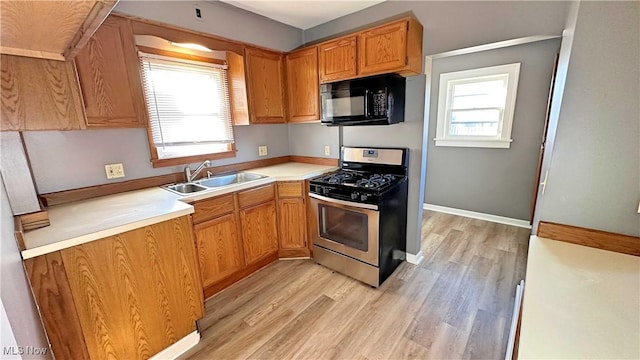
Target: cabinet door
pixel 293 221
pixel 39 94
pixel 383 49
pixel 338 59
pixel 109 74
pixel 219 248
pixel 302 85
pixel 259 231
pixel 265 86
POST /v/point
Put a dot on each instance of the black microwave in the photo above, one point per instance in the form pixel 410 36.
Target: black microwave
pixel 375 100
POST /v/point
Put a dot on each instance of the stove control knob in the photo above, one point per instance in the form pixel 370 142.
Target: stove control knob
pixel 364 197
pixel 355 195
pixel 325 191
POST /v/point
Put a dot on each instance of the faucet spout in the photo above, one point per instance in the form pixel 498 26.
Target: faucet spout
pixel 189 175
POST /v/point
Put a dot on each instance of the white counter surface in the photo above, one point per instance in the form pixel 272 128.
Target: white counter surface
pixel 580 303
pixel 83 221
pixel 88 220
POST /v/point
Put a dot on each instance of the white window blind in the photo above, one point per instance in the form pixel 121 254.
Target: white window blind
pixel 188 104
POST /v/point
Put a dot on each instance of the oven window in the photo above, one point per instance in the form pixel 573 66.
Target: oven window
pixel 349 228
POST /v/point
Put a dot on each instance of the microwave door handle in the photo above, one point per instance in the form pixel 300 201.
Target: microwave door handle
pixel 366 103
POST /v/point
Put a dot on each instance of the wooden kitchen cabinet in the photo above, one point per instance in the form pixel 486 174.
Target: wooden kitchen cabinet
pixel 394 47
pixel 337 59
pixel 302 85
pixel 109 74
pixel 236 234
pixel 39 94
pixel 259 231
pixel 219 247
pixel 265 86
pixel 292 219
pixel 126 296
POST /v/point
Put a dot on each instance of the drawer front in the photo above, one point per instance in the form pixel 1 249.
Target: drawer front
pixel 256 196
pixel 290 189
pixel 211 208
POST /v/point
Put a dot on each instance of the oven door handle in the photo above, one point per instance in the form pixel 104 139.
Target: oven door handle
pixel 343 202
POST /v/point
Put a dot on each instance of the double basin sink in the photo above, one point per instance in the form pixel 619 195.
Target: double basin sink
pixel 213 182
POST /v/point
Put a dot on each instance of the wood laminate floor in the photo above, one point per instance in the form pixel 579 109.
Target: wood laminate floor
pixel 456 305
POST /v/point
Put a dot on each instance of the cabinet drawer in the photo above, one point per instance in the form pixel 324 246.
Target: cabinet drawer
pixel 290 189
pixel 211 208
pixel 256 196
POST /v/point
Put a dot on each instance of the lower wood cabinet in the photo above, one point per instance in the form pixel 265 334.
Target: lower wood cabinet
pixel 292 219
pixel 236 234
pixel 127 296
pixel 259 231
pixel 219 248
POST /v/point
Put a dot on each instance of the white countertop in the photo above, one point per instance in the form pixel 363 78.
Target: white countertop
pixel 580 303
pixel 88 220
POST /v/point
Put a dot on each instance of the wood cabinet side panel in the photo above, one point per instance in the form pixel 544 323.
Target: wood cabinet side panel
pixel 259 231
pixel 137 292
pixel 39 94
pixel 237 89
pixel 52 293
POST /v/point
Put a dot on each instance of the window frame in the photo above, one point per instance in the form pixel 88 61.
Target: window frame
pixel 505 124
pixel 182 160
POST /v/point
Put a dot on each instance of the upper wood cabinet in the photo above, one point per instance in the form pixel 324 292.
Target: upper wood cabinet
pixel 54 30
pixel 109 74
pixel 265 86
pixel 39 94
pixel 302 85
pixel 337 59
pixel 394 47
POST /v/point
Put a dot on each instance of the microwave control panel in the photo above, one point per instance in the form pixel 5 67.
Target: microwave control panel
pixel 380 104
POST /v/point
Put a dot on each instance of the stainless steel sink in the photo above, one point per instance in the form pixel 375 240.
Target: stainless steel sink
pixel 213 182
pixel 187 188
pixel 223 180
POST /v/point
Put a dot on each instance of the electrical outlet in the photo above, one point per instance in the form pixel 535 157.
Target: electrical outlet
pixel 114 171
pixel 197 10
pixel 262 150
pixel 327 150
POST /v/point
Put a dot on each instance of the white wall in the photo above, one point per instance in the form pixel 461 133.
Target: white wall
pixel 594 166
pixel 15 292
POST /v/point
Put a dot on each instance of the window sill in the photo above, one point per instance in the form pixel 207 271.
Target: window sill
pixel 499 144
pixel 157 163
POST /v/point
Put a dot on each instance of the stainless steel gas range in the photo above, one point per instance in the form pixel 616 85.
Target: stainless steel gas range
pixel 360 213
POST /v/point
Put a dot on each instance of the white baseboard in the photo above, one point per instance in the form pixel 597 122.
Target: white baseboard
pixel 179 347
pixel 415 259
pixel 480 216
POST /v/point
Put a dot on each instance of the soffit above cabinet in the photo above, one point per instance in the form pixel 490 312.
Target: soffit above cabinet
pixel 54 30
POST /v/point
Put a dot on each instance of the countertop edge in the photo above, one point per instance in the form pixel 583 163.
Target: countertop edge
pixel 79 240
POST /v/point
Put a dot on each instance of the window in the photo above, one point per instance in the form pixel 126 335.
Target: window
pixel 475 107
pixel 189 112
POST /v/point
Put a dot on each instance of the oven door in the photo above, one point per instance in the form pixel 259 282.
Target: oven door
pixel 346 227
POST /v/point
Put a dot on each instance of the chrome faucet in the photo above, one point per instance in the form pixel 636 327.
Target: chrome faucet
pixel 192 175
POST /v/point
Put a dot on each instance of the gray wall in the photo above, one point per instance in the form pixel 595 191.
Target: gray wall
pixel 448 25
pixel 64 160
pixel 494 181
pixel 594 172
pixel 310 139
pixel 15 292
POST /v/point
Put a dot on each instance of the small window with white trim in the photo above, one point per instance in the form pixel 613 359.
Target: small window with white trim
pixel 475 107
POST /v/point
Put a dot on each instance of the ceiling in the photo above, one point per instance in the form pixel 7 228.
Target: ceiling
pixel 303 14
